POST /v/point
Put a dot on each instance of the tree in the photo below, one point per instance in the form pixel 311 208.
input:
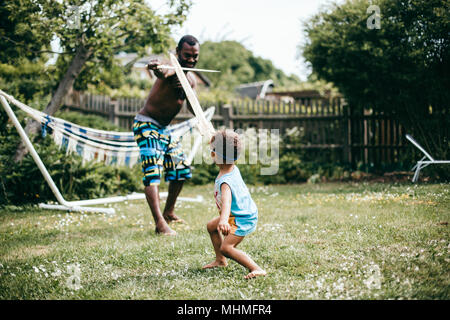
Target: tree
pixel 402 68
pixel 21 36
pixel 93 31
pixel 24 44
pixel 238 65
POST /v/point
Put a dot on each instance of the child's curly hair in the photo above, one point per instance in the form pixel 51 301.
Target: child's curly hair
pixel 227 145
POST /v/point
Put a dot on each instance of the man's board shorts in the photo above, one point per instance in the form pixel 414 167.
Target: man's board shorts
pixel 159 152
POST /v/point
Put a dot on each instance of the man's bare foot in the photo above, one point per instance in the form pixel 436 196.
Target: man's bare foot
pixel 164 229
pixel 255 273
pixel 215 264
pixel 166 233
pixel 172 218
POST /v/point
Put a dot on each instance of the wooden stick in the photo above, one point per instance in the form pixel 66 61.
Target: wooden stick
pixel 204 126
pixel 187 69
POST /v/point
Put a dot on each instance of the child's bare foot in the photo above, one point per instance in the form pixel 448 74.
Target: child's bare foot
pixel 256 273
pixel 172 218
pixel 164 229
pixel 215 264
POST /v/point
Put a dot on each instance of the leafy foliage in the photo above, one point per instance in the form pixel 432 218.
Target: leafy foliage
pixel 238 65
pixel 22 33
pixel 101 28
pixel 23 182
pixel 401 68
pixel 108 27
pixel 295 164
pixel 88 120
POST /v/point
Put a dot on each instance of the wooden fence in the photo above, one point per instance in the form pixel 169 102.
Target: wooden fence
pixel 327 124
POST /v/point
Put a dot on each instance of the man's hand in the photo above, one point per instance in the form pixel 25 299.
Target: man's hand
pixel 153 65
pixel 223 227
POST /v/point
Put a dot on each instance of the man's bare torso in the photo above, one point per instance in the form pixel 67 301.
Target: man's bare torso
pixel 166 99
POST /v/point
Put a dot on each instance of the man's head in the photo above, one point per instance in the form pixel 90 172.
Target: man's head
pixel 225 147
pixel 188 50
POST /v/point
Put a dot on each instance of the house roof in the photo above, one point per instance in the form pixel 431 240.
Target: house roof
pixel 255 89
pixel 298 94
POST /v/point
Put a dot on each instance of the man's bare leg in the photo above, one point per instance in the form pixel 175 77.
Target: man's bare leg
pixel 216 240
pixel 174 190
pixel 152 195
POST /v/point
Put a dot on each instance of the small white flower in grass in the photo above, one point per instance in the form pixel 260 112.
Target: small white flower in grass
pixel 56 273
pixel 319 284
pixel 274 195
pixel 115 275
pixel 36 269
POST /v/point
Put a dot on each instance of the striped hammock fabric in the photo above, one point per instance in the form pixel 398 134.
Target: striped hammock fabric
pixel 110 147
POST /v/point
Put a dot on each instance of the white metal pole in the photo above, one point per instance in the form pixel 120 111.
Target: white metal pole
pixel 76 208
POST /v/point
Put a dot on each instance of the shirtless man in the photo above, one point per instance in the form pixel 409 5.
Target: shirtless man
pixel 158 150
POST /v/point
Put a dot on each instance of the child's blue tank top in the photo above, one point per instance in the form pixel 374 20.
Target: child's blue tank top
pixel 243 208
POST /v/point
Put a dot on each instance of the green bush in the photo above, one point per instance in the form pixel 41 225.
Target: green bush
pixel 295 165
pixel 23 182
pixel 88 120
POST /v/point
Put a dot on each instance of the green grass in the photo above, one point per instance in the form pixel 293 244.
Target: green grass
pixel 328 241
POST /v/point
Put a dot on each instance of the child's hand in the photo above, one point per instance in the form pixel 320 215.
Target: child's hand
pixel 223 227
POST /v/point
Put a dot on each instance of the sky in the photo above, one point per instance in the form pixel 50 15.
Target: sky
pixel 271 29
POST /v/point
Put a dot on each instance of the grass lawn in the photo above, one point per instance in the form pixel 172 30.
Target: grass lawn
pixel 325 241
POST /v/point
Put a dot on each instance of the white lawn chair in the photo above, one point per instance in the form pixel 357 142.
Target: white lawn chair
pixel 422 163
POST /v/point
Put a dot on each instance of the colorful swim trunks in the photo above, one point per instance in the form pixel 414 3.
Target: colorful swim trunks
pixel 159 152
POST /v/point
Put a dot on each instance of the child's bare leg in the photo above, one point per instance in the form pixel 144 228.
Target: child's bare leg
pixel 228 249
pixel 216 240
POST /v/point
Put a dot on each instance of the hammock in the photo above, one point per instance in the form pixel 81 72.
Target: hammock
pixel 110 147
pixel 113 148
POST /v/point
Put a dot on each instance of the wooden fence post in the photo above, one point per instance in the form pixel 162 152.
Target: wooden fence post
pixel 347 126
pixel 227 115
pixel 114 111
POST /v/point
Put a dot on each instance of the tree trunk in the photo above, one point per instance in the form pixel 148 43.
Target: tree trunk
pixel 76 65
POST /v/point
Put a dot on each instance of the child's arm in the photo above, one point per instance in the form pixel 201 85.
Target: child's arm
pixel 223 226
